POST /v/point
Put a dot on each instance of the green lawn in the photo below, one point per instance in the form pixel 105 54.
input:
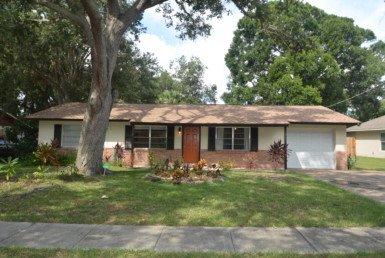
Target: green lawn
pixel 366 163
pixel 244 199
pixel 30 252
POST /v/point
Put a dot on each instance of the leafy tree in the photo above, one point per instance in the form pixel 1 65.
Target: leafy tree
pixel 103 24
pixel 298 54
pixel 135 76
pixel 185 84
pixel 43 59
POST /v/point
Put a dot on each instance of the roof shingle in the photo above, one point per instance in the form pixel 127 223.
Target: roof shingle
pixel 202 114
pixel 374 124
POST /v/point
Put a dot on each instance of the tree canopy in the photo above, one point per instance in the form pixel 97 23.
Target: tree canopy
pixel 299 55
pixel 185 84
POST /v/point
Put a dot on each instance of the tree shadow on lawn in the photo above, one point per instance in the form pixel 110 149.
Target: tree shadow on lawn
pixel 239 201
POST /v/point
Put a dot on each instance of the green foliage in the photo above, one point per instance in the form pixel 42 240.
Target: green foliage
pixel 46 153
pixel 351 161
pixel 118 152
pixel 8 166
pixel 185 83
pixel 297 54
pixel 151 159
pixel 70 173
pixel 226 165
pixel 23 135
pixel 66 159
pixel 177 163
pixel 278 152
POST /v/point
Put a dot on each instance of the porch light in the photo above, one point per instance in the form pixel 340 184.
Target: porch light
pixel 180 131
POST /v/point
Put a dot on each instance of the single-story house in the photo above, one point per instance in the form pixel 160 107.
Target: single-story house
pixel 6 119
pixel 316 135
pixel 369 138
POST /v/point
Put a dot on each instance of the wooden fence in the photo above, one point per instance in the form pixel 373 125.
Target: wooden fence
pixel 351 146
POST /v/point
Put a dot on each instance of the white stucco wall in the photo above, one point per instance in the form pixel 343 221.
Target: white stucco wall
pixel 368 144
pixel 115 132
pixel 267 135
pixel 204 137
pixel 177 138
pixel 46 129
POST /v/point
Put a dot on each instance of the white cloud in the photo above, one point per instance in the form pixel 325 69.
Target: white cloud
pixel 211 51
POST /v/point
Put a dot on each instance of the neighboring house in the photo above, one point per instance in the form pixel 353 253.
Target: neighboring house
pixel 315 134
pixel 369 138
pixel 6 119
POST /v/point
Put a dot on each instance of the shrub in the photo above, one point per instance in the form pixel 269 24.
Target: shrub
pixel 177 163
pixel 202 163
pixel 177 174
pixel 278 152
pixel 28 160
pixel 118 152
pixel 9 166
pixel 70 173
pixel 47 154
pixel 67 159
pixel 351 161
pixel 226 165
pixel 151 159
pixel 251 160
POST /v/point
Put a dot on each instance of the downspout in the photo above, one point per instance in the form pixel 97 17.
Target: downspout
pixel 285 141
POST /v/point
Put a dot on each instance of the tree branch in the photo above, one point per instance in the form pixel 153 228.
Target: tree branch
pixel 76 18
pixel 113 8
pixel 136 9
pixel 243 11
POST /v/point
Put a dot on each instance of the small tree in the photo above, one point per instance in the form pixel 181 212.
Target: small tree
pixel 278 152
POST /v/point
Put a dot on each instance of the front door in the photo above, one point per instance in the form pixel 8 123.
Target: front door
pixel 191 144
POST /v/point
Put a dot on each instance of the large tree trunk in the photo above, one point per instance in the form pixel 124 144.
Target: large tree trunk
pixel 96 118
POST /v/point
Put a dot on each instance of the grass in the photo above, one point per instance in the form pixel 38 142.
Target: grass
pixel 30 252
pixel 258 199
pixel 367 163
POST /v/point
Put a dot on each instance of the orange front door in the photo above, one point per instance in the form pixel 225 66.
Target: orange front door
pixel 191 144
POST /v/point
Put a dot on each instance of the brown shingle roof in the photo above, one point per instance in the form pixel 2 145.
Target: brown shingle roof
pixel 375 124
pixel 203 114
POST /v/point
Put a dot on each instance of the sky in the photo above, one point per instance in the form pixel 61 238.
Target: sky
pixel 163 43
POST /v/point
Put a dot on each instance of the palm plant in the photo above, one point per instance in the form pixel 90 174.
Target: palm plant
pixel 8 166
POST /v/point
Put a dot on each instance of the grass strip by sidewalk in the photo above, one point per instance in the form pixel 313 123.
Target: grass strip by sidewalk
pixel 77 253
pixel 258 199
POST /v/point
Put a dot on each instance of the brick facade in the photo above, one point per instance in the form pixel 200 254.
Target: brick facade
pixel 242 159
pixel 341 160
pixel 139 157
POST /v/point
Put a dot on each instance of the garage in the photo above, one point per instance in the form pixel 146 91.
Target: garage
pixel 311 149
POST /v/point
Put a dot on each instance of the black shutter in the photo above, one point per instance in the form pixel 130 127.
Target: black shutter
pixel 128 137
pixel 254 139
pixel 211 145
pixel 170 137
pixel 57 135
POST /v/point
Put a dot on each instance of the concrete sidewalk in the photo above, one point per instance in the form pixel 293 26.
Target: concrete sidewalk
pixel 179 239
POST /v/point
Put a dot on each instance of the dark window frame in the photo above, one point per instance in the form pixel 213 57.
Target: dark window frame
pixel 233 132
pixel 149 137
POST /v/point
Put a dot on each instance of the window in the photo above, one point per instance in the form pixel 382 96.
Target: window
pixel 153 137
pixel 71 135
pixel 383 141
pixel 232 138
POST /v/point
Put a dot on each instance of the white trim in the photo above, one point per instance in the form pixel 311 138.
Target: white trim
pixel 364 130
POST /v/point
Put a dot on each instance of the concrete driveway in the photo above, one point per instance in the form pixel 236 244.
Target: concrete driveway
pixel 370 184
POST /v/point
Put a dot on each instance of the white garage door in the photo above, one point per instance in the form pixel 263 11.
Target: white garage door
pixel 310 149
